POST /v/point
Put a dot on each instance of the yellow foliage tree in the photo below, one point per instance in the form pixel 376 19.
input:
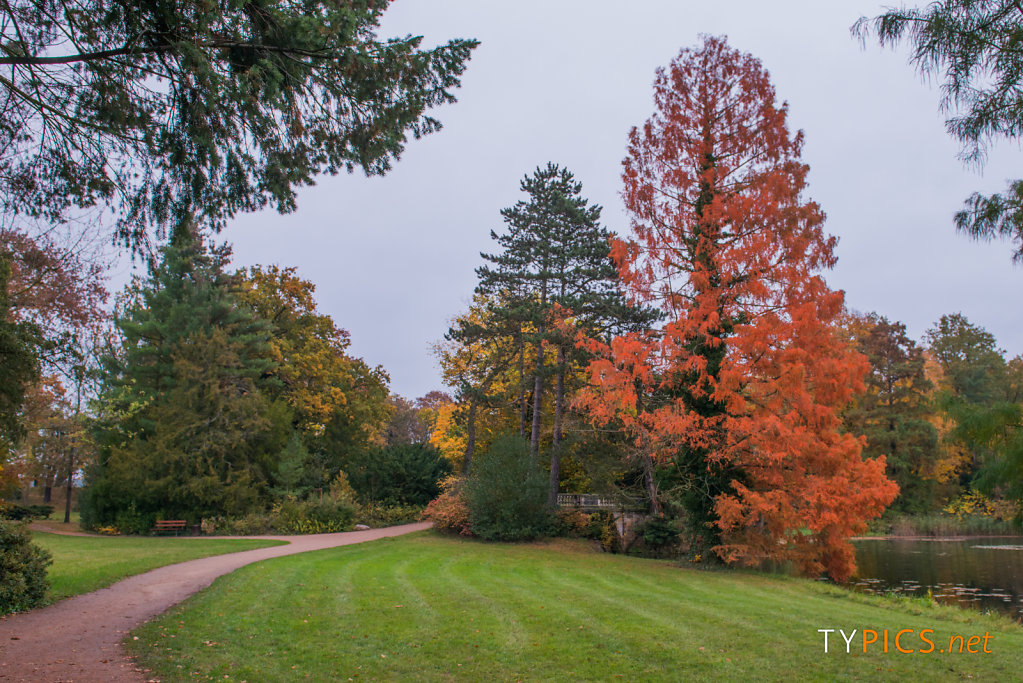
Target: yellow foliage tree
pixel 317 376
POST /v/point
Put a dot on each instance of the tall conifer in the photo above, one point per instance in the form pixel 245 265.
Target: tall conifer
pixel 553 278
pixel 186 432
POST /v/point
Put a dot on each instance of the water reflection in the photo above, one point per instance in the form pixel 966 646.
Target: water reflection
pixel 982 573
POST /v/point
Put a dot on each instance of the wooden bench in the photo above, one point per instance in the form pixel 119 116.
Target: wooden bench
pixel 174 525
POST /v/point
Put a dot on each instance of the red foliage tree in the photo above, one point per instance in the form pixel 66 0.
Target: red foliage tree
pixel 739 389
pixel 57 281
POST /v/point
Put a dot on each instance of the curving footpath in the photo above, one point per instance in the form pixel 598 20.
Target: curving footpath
pixel 79 639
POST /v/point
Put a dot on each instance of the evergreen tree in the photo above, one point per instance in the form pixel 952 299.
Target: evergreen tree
pixel 185 431
pixel 291 468
pixel 893 410
pixel 975 47
pixel 254 100
pixel 555 277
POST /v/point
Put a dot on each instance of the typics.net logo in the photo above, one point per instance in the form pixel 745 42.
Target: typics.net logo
pixel 906 641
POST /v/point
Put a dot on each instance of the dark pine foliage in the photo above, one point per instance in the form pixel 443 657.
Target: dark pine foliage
pixel 165 111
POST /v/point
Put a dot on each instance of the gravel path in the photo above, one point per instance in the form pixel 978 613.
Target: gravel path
pixel 79 639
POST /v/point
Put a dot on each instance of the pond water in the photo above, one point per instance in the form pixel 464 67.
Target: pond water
pixel 983 573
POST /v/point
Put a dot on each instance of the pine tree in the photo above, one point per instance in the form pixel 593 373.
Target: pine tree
pixel 554 278
pixel 254 100
pixel 893 412
pixel 974 47
pixel 187 432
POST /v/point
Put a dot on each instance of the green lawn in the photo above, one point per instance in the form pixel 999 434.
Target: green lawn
pixel 425 607
pixel 85 563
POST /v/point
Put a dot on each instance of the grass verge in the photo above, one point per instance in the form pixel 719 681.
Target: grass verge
pixel 426 607
pixel 86 563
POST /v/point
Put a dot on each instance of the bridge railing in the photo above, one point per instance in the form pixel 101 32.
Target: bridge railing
pixel 586 500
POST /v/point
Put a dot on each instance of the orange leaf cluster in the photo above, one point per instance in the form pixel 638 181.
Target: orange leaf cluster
pixel 726 246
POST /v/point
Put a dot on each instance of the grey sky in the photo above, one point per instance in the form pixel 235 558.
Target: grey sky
pixel 393 258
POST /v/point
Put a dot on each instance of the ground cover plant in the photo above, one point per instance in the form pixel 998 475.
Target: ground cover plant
pixel 427 607
pixel 83 563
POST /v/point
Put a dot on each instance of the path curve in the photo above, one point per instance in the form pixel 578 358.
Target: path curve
pixel 79 639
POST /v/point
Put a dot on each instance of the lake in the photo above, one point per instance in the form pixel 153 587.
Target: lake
pixel 983 573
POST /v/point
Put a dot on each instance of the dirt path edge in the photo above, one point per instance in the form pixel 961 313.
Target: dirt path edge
pixel 79 639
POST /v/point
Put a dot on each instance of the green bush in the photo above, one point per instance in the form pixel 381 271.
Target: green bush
pixel 594 528
pixel 311 516
pixel 22 569
pixel 17 512
pixel 131 521
pixel 252 524
pixel 405 474
pixel 659 532
pixel 378 515
pixel 507 495
pixel 288 516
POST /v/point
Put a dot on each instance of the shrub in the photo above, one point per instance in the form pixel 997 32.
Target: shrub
pixel 610 539
pixel 17 512
pixel 449 512
pixel 595 525
pixel 379 515
pixel 252 524
pixel 22 569
pixel 311 516
pixel 341 490
pixel 574 523
pixel 40 511
pixel 976 504
pixel 507 495
pixel 288 516
pixel 405 474
pixel 131 521
pixel 660 534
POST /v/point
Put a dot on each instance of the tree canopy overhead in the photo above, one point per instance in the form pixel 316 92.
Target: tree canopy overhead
pixel 976 48
pixel 160 111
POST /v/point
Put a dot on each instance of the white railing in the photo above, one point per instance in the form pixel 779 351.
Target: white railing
pixel 585 500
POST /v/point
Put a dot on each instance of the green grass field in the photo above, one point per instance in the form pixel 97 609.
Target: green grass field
pixel 86 563
pixel 426 607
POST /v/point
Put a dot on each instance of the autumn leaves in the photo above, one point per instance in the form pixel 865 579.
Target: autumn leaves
pixel 739 389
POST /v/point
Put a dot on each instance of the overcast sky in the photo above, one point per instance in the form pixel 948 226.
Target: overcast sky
pixel 393 257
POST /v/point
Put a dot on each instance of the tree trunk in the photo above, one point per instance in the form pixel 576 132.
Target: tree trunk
pixel 559 415
pixel 470 438
pixel 522 385
pixel 651 487
pixel 47 493
pixel 648 465
pixel 79 374
pixel 70 480
pixel 534 437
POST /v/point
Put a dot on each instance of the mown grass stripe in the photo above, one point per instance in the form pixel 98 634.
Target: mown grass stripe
pixel 472 611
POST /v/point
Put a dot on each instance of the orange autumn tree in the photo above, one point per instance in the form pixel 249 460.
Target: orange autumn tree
pixel 736 396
